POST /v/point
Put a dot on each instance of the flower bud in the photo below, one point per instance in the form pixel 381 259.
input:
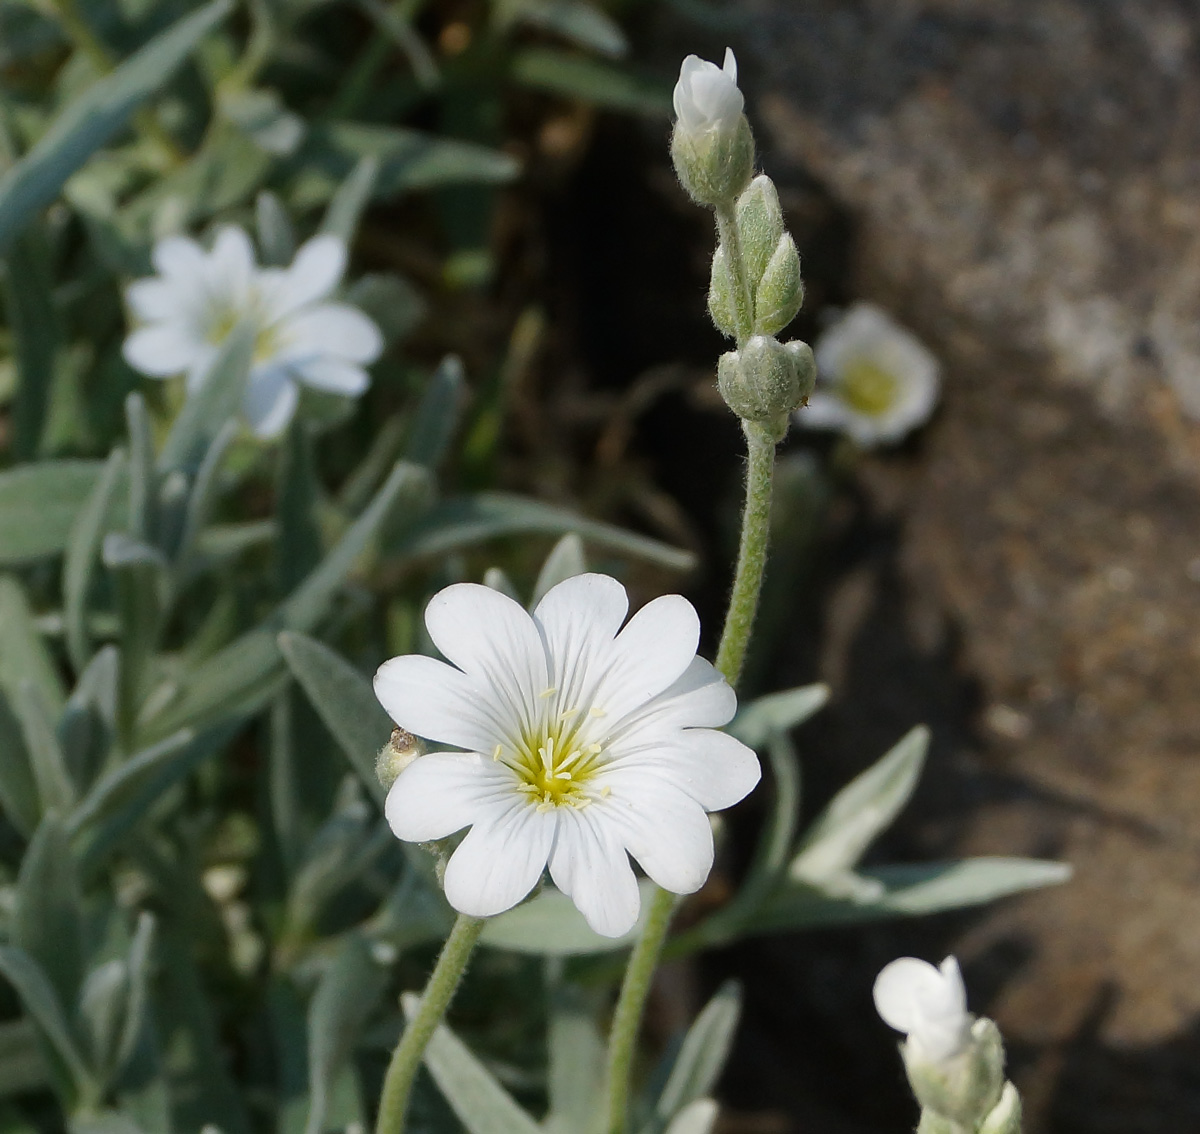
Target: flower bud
pixel 759 382
pixel 720 294
pixel 712 146
pixel 1005 1117
pixel 780 291
pixel 806 367
pixel 400 751
pixel 933 1123
pixel 760 225
pixel 966 1086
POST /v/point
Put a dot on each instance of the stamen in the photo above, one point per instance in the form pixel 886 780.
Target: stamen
pixel 498 752
pixel 596 711
pixel 547 692
pixel 605 791
pixel 562 775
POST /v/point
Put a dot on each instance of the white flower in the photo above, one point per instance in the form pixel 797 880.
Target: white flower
pixel 582 746
pixel 187 310
pixel 876 381
pixel 929 1005
pixel 707 96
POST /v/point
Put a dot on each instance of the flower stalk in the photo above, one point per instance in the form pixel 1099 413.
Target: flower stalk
pixel 444 981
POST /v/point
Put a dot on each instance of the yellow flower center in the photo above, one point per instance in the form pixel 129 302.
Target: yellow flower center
pixel 552 761
pixel 266 341
pixel 867 387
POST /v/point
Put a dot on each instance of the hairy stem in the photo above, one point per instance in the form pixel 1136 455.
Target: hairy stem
pixel 397 1083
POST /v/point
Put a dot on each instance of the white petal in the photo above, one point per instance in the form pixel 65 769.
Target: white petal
pixel 661 826
pixel 178 256
pixel 824 411
pixel 314 273
pixel 161 350
pixel 730 67
pixel 334 376
pixel 500 860
pixel 700 698
pixel 900 988
pixel 590 866
pixel 153 298
pixel 436 701
pixel 335 329
pixel 444 792
pixel 231 264
pixel 649 655
pixel 578 619
pixel 494 641
pixel 716 770
pixel 269 401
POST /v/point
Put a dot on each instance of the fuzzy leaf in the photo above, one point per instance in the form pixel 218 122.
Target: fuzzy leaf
pixel 19 797
pixel 438 415
pixel 590 80
pixel 776 712
pixel 56 789
pixel 39 504
pixel 577 1061
pixel 351 199
pixel 34 322
pixel 566 560
pixel 549 925
pixel 273 226
pixel 703 1053
pixel 22 1067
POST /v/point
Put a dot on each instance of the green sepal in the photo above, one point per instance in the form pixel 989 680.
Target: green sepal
pixel 780 291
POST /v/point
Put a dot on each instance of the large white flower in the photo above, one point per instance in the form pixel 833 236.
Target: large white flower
pixel 584 743
pixel 706 96
pixel 187 310
pixel 875 380
pixel 928 1004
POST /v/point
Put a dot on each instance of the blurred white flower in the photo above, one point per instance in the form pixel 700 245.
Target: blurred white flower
pixel 707 96
pixel 928 1004
pixel 186 311
pixel 876 381
pixel 582 746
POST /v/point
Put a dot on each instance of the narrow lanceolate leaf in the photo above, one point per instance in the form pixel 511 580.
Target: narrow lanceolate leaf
pixel 298 549
pixel 48 918
pixel 143 487
pixel 467 521
pixel 776 712
pixel 137 1007
pixel 34 323
pixel 576 1051
pixel 860 812
pixel 39 504
pixel 346 995
pixel 581 22
pixel 56 789
pixel 352 196
pixel 908 890
pixel 703 1053
pixel 698 1117
pixel 41 1002
pixel 215 402
pixel 344 701
pixel 23 654
pixel 22 1067
pixel 576 76
pixel 483 1106
pixel 94 117
pixel 566 560
pixel 438 415
pixel 19 799
pixel 201 499
pixel 276 237
pixel 83 547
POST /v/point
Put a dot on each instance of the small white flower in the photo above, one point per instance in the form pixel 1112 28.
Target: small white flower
pixel 583 745
pixel 875 380
pixel 929 1005
pixel 187 310
pixel 707 96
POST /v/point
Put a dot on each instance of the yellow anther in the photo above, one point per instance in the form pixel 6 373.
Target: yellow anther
pixel 498 752
pixel 547 692
pixel 596 711
pixel 605 791
pixel 562 775
pixel 594 749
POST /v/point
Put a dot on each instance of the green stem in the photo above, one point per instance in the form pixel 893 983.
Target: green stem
pixel 397 1083
pixel 631 1003
pixel 752 554
pixel 743 297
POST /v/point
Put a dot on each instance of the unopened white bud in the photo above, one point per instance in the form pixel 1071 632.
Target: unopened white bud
pixel 780 291
pixel 712 146
pixel 400 751
pixel 1005 1117
pixel 759 382
pixel 760 225
pixel 927 1004
pixel 965 1086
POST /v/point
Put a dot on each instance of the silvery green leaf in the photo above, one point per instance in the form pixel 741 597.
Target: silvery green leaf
pixel 298 548
pixel 582 23
pixel 856 816
pixel 482 1105
pixel 19 796
pixel 438 415
pixel 143 483
pixel 219 543
pixel 577 1061
pixel 263 118
pixel 776 712
pixel 44 1007
pixel 83 546
pixel 466 521
pixel 398 28
pixel 703 1054
pixel 697 1117
pixel 590 80
pixel 348 991
pixel 496 578
pixel 566 560
pixel 56 789
pixel 39 504
pixel 86 728
pixel 284 785
pixel 103 1122
pixel 908 890
pixel 346 208
pixel 137 1006
pixel 47 921
pixel 276 237
pixel 392 301
pixel 23 654
pixel 367 476
pixel 415 912
pixel 22 1067
pixel 35 332
pixel 549 925
pixel 344 701
pixel 102 1004
pixel 201 499
pixel 207 408
pixel 95 116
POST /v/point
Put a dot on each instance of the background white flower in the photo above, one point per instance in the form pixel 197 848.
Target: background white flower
pixel 928 1004
pixel 875 380
pixel 198 297
pixel 707 96
pixel 585 743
